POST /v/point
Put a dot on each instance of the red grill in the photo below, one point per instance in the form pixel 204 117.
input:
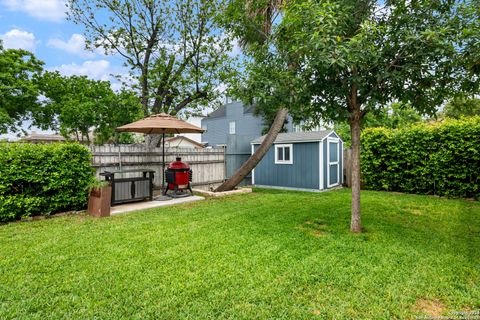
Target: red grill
pixel 178 177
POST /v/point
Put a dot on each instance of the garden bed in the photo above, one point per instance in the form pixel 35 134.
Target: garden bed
pixel 223 193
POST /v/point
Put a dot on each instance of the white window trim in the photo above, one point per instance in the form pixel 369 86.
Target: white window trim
pixel 253 170
pixel 320 169
pixel 336 140
pixel 277 147
pixel 230 127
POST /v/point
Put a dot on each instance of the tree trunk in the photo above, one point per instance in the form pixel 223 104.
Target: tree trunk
pixel 355 119
pixel 152 140
pixel 144 92
pixel 255 158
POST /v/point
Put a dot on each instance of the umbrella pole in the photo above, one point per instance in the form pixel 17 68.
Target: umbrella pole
pixel 163 161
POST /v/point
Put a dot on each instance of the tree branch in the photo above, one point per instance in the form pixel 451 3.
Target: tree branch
pixel 189 99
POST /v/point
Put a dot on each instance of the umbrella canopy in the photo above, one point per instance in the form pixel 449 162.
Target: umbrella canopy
pixel 160 123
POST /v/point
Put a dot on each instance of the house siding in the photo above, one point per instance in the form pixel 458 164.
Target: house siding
pixel 238 149
pixel 302 174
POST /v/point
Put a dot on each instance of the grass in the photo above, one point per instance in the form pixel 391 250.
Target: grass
pixel 269 254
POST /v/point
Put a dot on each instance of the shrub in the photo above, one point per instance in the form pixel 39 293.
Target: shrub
pixel 440 158
pixel 41 179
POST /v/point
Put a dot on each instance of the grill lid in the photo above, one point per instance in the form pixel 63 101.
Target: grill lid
pixel 178 165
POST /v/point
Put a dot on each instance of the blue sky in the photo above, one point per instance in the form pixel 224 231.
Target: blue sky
pixel 40 26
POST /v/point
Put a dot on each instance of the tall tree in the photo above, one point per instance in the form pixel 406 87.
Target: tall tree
pixel 175 49
pixel 19 72
pixel 358 56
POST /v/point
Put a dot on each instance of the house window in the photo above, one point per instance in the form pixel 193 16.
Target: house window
pixel 231 127
pixel 284 154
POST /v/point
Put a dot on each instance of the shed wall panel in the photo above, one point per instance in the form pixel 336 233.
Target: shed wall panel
pixel 303 173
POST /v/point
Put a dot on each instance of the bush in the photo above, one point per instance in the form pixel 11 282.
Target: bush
pixel 37 179
pixel 442 158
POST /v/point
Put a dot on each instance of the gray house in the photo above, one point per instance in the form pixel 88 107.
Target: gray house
pixel 233 126
pixel 302 160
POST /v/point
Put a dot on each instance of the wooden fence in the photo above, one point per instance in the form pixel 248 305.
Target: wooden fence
pixel 347 167
pixel 208 165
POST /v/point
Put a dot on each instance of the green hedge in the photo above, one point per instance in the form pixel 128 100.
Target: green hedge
pixel 41 179
pixel 442 158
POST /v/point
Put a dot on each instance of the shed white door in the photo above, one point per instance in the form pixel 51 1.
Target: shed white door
pixel 333 156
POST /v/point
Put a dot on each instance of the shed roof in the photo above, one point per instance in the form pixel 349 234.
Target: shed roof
pixel 297 137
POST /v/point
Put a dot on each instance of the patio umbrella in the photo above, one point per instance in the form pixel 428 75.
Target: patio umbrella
pixel 161 123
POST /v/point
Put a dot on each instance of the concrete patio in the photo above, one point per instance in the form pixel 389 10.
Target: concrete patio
pixel 129 207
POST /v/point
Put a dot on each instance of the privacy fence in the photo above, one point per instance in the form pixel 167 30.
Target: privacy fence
pixel 347 167
pixel 208 165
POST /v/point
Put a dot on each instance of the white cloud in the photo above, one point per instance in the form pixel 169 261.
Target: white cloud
pixel 236 49
pixel 50 10
pixel 18 39
pixel 97 70
pixel 74 45
pixel 94 69
pixel 116 86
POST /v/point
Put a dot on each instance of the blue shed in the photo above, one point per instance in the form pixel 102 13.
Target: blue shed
pixel 310 161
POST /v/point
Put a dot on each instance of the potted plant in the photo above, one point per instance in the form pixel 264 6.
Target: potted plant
pixel 99 199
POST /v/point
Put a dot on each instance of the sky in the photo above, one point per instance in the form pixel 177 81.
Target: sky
pixel 40 26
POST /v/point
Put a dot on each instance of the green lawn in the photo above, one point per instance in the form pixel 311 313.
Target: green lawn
pixel 269 254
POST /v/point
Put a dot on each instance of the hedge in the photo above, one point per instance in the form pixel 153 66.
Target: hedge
pixel 441 158
pixel 41 179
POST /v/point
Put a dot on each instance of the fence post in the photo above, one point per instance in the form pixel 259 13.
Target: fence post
pixel 347 166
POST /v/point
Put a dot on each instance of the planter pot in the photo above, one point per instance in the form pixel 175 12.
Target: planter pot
pixel 99 201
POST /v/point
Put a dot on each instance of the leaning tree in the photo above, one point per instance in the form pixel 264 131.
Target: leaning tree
pixel 267 73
